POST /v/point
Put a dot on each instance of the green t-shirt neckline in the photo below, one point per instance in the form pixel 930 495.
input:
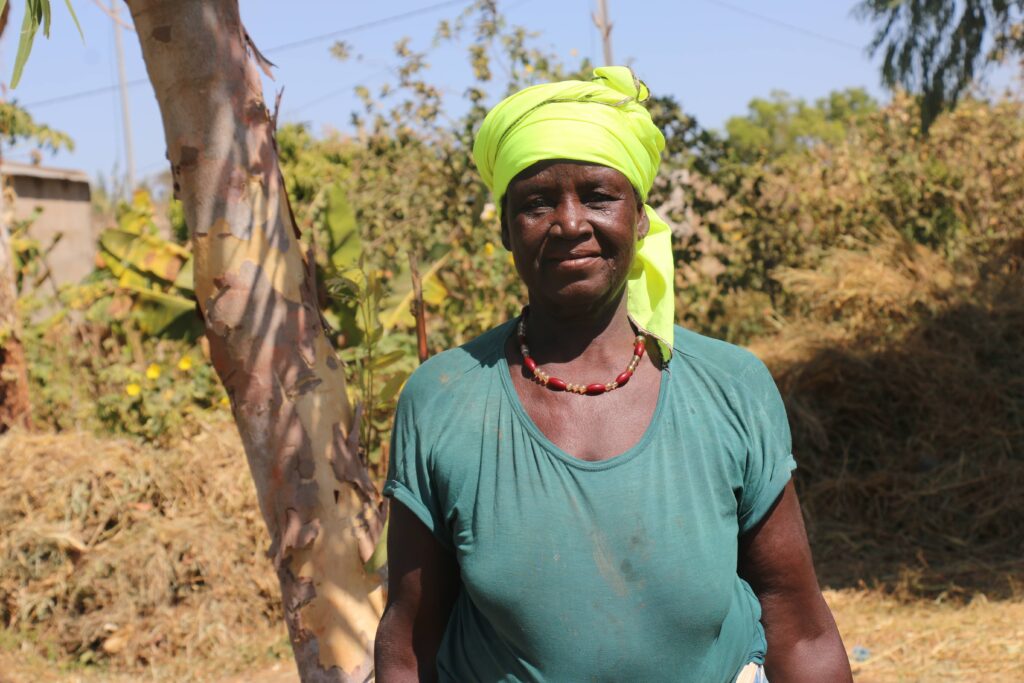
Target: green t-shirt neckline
pixel 599 465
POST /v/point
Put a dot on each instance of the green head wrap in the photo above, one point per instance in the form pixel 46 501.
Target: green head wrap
pixel 602 122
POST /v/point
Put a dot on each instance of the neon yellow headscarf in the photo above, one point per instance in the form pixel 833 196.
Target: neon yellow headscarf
pixel 602 122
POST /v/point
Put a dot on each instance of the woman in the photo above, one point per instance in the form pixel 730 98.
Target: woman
pixel 589 493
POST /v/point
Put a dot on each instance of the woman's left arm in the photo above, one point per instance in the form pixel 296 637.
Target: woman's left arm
pixel 775 559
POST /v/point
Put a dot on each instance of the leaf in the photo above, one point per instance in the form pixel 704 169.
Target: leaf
pixel 379 559
pixel 185 279
pixel 145 253
pixel 384 360
pixel 434 293
pixel 29 26
pixel 344 246
pixel 74 18
pixel 392 387
pixel 157 312
pixel 44 7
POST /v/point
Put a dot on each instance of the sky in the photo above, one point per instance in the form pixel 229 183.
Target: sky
pixel 714 56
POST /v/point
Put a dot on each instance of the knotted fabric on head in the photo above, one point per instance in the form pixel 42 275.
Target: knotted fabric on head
pixel 602 121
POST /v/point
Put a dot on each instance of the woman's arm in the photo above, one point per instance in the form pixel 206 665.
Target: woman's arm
pixel 423 582
pixel 775 559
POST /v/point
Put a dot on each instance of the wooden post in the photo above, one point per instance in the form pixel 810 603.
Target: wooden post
pixel 604 25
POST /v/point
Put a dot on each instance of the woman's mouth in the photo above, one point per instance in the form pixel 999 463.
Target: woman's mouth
pixel 574 262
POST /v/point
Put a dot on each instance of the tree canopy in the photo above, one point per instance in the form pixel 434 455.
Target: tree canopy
pixel 938 47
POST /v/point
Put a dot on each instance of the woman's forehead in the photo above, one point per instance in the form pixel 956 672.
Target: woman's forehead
pixel 550 170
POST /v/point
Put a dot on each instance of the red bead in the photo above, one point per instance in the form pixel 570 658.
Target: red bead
pixel 595 389
pixel 623 377
pixel 556 384
pixel 530 364
pixel 638 349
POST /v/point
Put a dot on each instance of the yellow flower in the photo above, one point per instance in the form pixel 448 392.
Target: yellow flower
pixel 185 364
pixel 489 249
pixel 153 371
pixel 511 259
pixel 528 68
pixel 224 401
pixel 133 390
pixel 488 213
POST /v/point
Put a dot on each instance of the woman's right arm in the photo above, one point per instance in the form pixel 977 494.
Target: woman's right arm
pixel 423 582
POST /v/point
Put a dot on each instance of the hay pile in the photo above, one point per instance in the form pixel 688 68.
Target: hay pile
pixel 116 553
pixel 904 379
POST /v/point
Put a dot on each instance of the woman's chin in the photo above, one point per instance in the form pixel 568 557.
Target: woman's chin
pixel 581 294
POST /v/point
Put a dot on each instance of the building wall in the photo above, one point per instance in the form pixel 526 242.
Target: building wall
pixel 64 208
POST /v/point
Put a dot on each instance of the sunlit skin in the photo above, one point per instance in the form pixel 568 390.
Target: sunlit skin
pixel 572 229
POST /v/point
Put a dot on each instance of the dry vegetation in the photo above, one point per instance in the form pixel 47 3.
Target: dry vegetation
pixel 907 427
pixel 155 558
pixel 905 387
pixel 136 556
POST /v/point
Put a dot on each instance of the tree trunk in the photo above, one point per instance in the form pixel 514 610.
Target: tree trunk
pixel 15 408
pixel 256 292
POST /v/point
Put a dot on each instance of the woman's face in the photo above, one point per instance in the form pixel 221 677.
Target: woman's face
pixel 572 228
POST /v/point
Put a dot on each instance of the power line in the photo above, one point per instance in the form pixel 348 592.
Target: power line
pixel 334 93
pixel 84 93
pixel 277 48
pixel 784 24
pixel 370 24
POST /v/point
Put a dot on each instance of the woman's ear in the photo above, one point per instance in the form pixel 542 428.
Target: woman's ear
pixel 643 223
pixel 505 242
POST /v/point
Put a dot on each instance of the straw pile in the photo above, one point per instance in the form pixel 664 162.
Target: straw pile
pixel 118 553
pixel 904 379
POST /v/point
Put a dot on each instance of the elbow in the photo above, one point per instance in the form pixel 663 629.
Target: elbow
pixel 804 646
pixel 395 655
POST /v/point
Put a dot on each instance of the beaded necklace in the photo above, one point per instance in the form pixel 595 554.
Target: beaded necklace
pixel 556 384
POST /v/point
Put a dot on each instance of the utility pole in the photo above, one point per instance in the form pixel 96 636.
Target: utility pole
pixel 126 119
pixel 605 27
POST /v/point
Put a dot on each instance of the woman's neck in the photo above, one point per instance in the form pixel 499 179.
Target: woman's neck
pixel 595 335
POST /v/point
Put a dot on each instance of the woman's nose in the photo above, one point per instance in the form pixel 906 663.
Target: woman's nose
pixel 570 220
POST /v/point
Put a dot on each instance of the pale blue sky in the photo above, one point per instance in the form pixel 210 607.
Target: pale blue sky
pixel 712 55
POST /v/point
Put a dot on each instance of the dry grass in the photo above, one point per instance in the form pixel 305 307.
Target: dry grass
pixel 896 641
pixel 123 555
pixel 904 380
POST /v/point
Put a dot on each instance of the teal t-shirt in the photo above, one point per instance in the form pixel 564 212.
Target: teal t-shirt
pixel 619 570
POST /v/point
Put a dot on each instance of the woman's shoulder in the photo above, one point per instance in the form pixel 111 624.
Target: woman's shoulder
pixel 727 363
pixel 456 369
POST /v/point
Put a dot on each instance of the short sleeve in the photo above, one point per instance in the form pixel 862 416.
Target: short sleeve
pixel 411 478
pixel 769 458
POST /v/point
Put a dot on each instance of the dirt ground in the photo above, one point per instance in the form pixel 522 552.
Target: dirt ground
pixel 889 641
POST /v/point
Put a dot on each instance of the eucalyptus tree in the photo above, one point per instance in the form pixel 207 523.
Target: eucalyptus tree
pixel 255 290
pixel 937 48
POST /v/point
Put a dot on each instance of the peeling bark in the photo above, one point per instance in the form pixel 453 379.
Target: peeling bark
pixel 258 299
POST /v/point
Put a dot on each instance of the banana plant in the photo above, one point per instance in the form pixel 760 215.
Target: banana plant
pixel 155 273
